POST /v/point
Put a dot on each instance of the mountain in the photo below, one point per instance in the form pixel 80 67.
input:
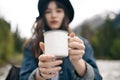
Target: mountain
pixel 96 21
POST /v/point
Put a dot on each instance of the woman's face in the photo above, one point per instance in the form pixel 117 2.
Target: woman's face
pixel 54 16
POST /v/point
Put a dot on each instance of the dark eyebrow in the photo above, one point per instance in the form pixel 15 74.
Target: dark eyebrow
pixel 56 8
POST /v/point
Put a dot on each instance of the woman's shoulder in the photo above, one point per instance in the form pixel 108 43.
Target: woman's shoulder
pixel 28 43
pixel 27 49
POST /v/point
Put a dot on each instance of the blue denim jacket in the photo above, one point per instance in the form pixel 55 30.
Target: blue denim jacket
pixel 30 63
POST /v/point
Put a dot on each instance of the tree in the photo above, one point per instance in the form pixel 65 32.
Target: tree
pixel 115 48
pixel 18 41
pixel 104 39
pixel 6 40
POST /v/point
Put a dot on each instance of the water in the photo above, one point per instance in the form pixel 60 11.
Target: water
pixel 4 72
pixel 110 70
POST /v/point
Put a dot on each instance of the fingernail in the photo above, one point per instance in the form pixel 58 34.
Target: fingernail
pixel 60 61
pixel 59 68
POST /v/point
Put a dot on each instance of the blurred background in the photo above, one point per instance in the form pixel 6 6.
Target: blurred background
pixel 96 20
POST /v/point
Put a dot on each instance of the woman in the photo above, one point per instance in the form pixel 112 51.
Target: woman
pixel 80 62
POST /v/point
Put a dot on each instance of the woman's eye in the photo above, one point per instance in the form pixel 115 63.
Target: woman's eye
pixel 59 10
pixel 47 11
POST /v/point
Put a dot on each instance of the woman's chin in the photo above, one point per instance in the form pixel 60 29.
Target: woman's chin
pixel 55 27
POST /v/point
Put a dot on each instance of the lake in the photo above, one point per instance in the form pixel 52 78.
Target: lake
pixel 109 69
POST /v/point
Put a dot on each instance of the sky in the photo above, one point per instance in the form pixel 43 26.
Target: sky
pixel 24 12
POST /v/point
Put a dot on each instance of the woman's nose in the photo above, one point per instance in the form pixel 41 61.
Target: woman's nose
pixel 54 14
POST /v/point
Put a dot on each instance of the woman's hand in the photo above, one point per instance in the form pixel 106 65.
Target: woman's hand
pixel 76 52
pixel 77 48
pixel 48 66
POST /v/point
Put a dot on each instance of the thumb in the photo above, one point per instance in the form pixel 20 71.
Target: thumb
pixel 42 46
pixel 72 34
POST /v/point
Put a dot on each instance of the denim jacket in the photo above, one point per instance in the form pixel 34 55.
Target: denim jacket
pixel 30 64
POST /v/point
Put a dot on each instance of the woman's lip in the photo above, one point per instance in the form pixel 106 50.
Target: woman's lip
pixel 54 22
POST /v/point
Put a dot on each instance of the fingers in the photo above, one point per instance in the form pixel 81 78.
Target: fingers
pixel 46 57
pixel 72 34
pixel 52 70
pixel 48 76
pixel 75 39
pixel 76 45
pixel 49 66
pixel 75 55
pixel 76 52
pixel 75 42
pixel 42 47
pixel 77 48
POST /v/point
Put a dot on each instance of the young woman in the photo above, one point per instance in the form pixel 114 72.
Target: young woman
pixel 78 65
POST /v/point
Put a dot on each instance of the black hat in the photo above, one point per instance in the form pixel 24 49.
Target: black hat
pixel 66 3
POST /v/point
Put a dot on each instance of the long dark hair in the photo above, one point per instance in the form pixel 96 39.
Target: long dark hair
pixel 40 26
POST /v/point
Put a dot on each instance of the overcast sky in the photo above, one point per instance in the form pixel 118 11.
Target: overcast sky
pixel 24 12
